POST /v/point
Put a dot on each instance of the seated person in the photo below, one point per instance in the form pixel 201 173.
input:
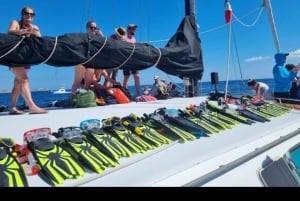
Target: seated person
pixel 158 89
pixel 173 91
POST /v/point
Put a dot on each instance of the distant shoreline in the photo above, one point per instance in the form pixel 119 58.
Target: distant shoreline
pixel 6 91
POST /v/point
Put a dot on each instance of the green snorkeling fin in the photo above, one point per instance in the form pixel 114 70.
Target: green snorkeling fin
pixel 207 126
pixel 55 163
pixel 104 141
pixel 202 113
pixel 11 171
pixel 157 121
pixel 135 124
pixel 213 106
pixel 173 116
pixel 114 126
pixel 71 139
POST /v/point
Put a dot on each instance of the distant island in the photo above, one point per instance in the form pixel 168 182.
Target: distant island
pixel 4 91
pixel 41 89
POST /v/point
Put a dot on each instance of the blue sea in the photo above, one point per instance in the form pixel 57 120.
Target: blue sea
pixel 235 87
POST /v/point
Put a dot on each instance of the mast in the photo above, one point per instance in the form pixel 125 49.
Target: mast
pixel 267 5
pixel 193 87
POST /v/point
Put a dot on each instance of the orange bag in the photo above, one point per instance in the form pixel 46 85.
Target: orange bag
pixel 121 98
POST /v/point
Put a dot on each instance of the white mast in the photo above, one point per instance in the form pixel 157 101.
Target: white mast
pixel 267 5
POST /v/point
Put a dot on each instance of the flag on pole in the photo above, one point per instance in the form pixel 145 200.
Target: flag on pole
pixel 228 12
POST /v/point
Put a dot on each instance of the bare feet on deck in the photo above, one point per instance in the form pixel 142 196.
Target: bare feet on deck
pixel 38 111
pixel 15 111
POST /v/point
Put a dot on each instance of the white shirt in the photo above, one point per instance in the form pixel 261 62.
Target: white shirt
pixel 264 90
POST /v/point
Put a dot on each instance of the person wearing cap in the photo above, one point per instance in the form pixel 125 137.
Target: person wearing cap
pixel 260 89
pixel 158 89
pixel 131 28
pixel 283 78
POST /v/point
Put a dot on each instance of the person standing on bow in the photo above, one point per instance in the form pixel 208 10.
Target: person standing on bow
pixel 283 78
pixel 23 27
pixel 131 28
pixel 85 76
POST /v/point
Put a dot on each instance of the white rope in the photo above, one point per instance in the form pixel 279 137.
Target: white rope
pixel 13 48
pixel 236 19
pixel 156 63
pixel 228 59
pixel 52 52
pixel 96 52
pixel 128 57
pixel 255 21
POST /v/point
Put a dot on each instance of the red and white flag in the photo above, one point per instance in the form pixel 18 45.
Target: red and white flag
pixel 228 12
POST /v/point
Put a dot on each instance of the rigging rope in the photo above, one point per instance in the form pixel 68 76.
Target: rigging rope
pixel 89 9
pixel 82 16
pixel 236 49
pixel 255 21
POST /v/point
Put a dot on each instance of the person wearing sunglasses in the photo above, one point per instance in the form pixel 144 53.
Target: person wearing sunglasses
pixel 84 76
pixel 23 27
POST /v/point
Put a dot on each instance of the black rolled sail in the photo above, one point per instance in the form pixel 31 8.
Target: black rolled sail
pixel 181 57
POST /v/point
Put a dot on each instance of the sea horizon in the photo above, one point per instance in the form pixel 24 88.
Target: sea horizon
pixel 45 97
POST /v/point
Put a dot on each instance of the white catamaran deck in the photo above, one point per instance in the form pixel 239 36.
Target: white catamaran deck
pixel 208 161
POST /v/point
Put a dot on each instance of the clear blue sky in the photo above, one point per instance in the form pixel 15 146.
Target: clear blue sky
pixel 252 47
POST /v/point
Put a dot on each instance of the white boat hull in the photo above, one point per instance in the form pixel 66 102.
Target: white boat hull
pixel 171 165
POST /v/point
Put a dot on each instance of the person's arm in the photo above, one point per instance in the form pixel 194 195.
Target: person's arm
pixel 35 31
pixel 105 74
pixel 14 28
pixel 99 32
pixel 260 90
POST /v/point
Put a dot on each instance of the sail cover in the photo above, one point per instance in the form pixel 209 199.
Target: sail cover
pixel 182 56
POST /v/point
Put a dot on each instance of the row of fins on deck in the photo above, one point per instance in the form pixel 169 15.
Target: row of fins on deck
pixel 92 147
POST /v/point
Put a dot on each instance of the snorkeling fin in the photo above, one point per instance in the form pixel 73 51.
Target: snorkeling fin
pixel 104 141
pixel 173 116
pixel 157 121
pixel 114 126
pixel 11 171
pixel 209 127
pixel 135 124
pixel 55 163
pixel 211 105
pixel 71 139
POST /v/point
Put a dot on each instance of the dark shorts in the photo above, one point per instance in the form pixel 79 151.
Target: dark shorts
pixel 25 67
pixel 127 72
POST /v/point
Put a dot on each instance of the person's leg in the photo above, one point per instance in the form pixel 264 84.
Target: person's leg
pixel 22 78
pixel 15 93
pixel 89 78
pixel 126 75
pixel 136 77
pixel 115 74
pixel 79 72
